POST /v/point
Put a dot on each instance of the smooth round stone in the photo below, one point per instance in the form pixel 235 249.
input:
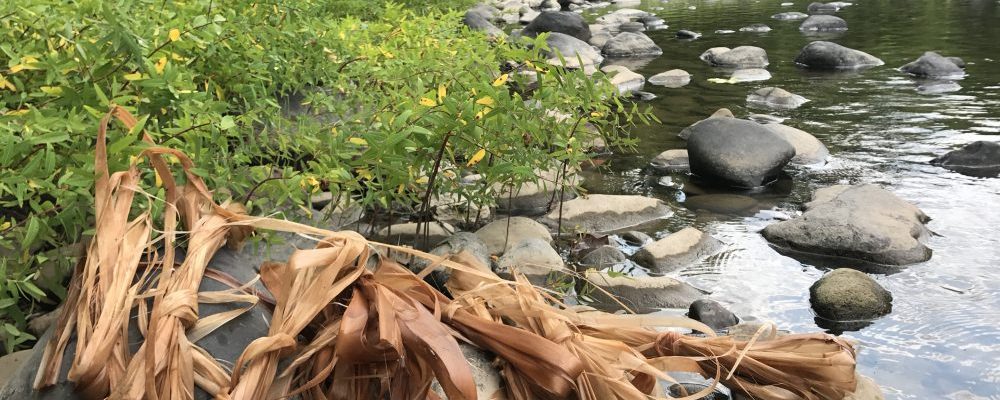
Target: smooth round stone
pixel 674 78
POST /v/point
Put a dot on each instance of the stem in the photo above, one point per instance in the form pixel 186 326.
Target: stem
pixel 430 185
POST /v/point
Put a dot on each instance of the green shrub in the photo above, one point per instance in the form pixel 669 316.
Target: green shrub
pixel 397 108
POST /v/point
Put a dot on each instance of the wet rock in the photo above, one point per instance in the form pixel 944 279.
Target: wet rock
pixel 863 222
pixel 569 23
pixel 938 87
pixel 632 26
pixel 749 75
pixel 604 257
pixel 641 294
pixel 776 98
pixel 978 158
pixel 675 160
pixel 624 79
pixel 534 258
pixel 933 65
pixel 737 152
pixel 484 373
pixel 849 295
pixel 958 61
pixel 790 16
pixel 720 113
pixel 652 22
pixel 412 232
pixel 828 55
pixel 723 203
pixel 533 198
pixel 756 28
pixel 636 238
pixel 739 57
pixel 643 96
pixel 821 8
pixel 502 234
pixel 808 149
pixel 573 51
pixel 674 78
pixel 601 213
pixel 712 313
pixel 679 250
pixel 686 34
pixel 631 44
pixel 823 23
pixel 459 242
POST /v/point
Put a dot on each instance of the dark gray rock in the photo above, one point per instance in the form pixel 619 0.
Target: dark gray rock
pixel 849 295
pixel 686 34
pixel 604 257
pixel 712 313
pixel 737 152
pixel 569 23
pixel 863 222
pixel 739 57
pixel 828 55
pixel 823 23
pixel 479 19
pixel 933 65
pixel 978 158
pixel 631 44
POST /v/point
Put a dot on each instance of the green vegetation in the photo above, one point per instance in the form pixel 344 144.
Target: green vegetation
pixel 398 106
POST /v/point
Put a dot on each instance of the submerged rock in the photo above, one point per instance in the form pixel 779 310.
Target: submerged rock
pixel 776 98
pixel 674 78
pixel 828 55
pixel 863 222
pixel 724 203
pixel 756 28
pixel 823 23
pixel 641 294
pixel 933 65
pixel 790 16
pixel 679 250
pixel 737 152
pixel 712 313
pixel 602 213
pixel 821 8
pixel 808 149
pixel 978 158
pixel 686 34
pixel 740 57
pixel 849 295
pixel 631 44
pixel 675 160
pixel 502 234
pixel 938 87
pixel 569 23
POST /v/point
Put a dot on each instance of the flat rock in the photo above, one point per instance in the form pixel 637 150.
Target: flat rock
pixel 823 23
pixel 535 258
pixel 499 237
pixel 849 295
pixel 776 98
pixel 624 79
pixel 569 23
pixel 679 250
pixel 979 158
pixel 827 55
pixel 933 65
pixel 675 160
pixel 863 222
pixel 674 78
pixel 739 57
pixel 602 213
pixel 412 232
pixel 749 75
pixel 631 44
pixel 808 149
pixel 737 152
pixel 641 294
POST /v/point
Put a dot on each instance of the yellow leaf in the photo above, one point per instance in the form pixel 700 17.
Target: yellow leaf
pixel 4 226
pixel 482 113
pixel 5 84
pixel 442 91
pixel 427 102
pixel 358 141
pixel 485 101
pixel 422 181
pixel 157 179
pixel 161 64
pixel 342 35
pixel 17 112
pixel 364 173
pixel 501 80
pixel 21 67
pixel 133 76
pixel 28 60
pixel 174 35
pixel 596 114
pixel 52 90
pixel 476 158
pixel 176 57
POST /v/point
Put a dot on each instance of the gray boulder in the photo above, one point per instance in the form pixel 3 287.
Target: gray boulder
pixel 577 53
pixel 808 149
pixel 821 8
pixel 849 295
pixel 776 98
pixel 823 23
pixel 632 26
pixel 602 213
pixel 933 65
pixel 604 257
pixel 534 258
pixel 978 158
pixel 720 113
pixel 631 44
pixel 674 78
pixel 737 152
pixel 565 22
pixel 712 313
pixel 828 55
pixel 640 294
pixel 863 222
pixel 790 16
pixel 739 57
pixel 481 18
pixel 502 234
pixel 675 160
pixel 679 250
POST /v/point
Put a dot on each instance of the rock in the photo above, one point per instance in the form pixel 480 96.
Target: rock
pixel 601 213
pixel 823 23
pixel 756 28
pixel 712 313
pixel 737 152
pixel 600 38
pixel 624 79
pixel 776 98
pixel 978 158
pixel 863 222
pixel 499 238
pixel 933 65
pixel 632 26
pixel 827 55
pixel 790 16
pixel 938 87
pixel 675 160
pixel 532 198
pixel 740 57
pixel 534 258
pixel 652 22
pixel 457 243
pixel 679 250
pixel 573 51
pixel 11 363
pixel 453 209
pixel 749 75
pixel 643 96
pixel 686 34
pixel 724 31
pixel 566 22
pixel 484 373
pixel 674 78
pixel 744 331
pixel 723 203
pixel 820 8
pixel 958 61
pixel 604 257
pixel 528 16
pixel 479 20
pixel 766 118
pixel 682 390
pixel 485 11
pixel 849 295
pixel 867 390
pixel 808 149
pixel 636 238
pixel 410 232
pixel 720 113
pixel 631 44
pixel 641 294
pixel 621 16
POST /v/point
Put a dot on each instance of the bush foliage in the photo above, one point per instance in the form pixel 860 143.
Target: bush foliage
pixel 276 101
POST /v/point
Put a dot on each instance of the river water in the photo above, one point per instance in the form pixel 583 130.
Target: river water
pixel 942 339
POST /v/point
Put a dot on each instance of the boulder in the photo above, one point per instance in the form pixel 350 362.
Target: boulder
pixel 978 158
pixel 808 149
pixel 679 250
pixel 499 237
pixel 958 61
pixel 723 203
pixel 527 17
pixel 823 23
pixel 674 78
pixel 479 19
pixel 534 258
pixel 863 222
pixel 849 295
pixel 632 26
pixel 712 313
pixel 600 38
pixel 573 50
pixel 602 213
pixel 636 238
pixel 776 98
pixel 624 80
pixel 675 160
pixel 621 16
pixel 631 44
pixel 569 23
pixel 756 28
pixel 720 113
pixel 686 34
pixel 749 75
pixel 737 152
pixel 640 294
pixel 821 8
pixel 740 57
pixel 653 22
pixel 11 363
pixel 426 235
pixel 790 16
pixel 827 55
pixel 933 65
pixel 604 257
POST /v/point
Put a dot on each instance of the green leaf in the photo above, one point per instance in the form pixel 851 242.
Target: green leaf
pixel 227 123
pixel 11 329
pixel 32 232
pixel 4 303
pixel 33 290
